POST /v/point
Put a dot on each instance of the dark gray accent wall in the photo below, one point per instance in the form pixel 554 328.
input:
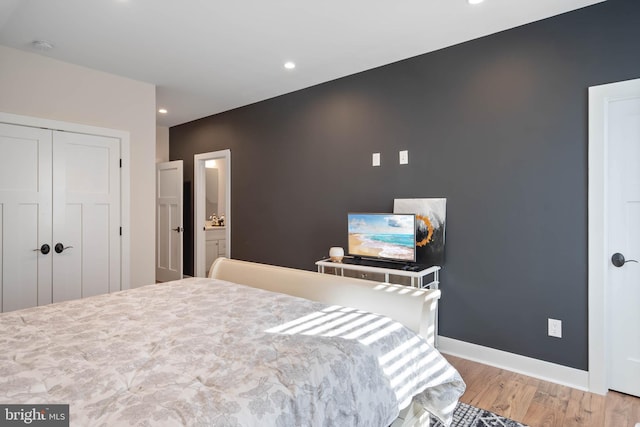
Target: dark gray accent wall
pixel 497 125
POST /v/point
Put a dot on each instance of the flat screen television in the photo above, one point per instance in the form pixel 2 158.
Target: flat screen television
pixel 382 236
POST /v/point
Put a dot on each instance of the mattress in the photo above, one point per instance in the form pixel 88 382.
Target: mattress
pixel 204 352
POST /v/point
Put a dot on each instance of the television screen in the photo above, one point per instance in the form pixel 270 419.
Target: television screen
pixel 385 236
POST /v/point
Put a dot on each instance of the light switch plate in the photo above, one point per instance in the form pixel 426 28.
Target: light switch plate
pixel 404 157
pixel 375 159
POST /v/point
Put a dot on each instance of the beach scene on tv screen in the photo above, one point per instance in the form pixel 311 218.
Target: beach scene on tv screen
pixel 382 236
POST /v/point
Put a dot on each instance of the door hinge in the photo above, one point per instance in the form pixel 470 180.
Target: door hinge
pixel 121 231
pixel 120 162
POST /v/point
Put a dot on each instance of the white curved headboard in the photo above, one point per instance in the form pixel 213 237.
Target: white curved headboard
pixel 414 308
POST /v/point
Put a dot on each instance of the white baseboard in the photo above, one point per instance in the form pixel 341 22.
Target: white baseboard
pixel 540 369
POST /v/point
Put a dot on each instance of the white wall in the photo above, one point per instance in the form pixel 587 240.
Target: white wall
pixel 222 188
pixel 37 86
pixel 162 144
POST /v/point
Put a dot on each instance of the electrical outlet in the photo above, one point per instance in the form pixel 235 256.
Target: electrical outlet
pixel 375 159
pixel 555 328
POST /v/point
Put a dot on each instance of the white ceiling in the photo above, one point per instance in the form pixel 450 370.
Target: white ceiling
pixel 209 56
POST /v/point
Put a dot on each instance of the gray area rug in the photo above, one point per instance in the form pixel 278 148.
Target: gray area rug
pixel 469 416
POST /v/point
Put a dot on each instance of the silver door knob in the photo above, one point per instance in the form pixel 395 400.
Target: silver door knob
pixel 618 260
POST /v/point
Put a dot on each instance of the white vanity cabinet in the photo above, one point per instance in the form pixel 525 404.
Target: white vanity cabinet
pixel 215 244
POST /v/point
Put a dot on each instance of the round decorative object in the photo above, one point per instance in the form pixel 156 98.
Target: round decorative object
pixel 336 254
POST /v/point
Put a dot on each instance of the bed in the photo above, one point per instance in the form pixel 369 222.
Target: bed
pixel 252 345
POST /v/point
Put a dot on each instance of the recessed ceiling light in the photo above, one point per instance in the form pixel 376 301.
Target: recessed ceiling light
pixel 475 1
pixel 289 65
pixel 163 111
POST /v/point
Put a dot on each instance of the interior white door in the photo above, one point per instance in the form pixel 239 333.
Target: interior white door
pixel 86 215
pixel 169 204
pixel 25 217
pixel 623 201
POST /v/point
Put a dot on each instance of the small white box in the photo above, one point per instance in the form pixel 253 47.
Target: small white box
pixel 555 328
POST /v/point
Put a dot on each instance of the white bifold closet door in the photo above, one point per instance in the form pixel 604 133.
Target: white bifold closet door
pixel 59 216
pixel 86 215
pixel 25 216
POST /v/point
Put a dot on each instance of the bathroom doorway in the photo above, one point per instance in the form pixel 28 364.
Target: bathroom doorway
pixel 212 209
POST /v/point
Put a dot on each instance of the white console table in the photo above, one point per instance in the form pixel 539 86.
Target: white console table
pixel 368 270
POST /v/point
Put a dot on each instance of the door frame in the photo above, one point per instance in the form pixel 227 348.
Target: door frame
pixel 598 277
pixel 199 237
pixel 125 175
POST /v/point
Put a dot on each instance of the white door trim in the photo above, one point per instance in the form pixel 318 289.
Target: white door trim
pixel 199 207
pixel 598 258
pixel 125 174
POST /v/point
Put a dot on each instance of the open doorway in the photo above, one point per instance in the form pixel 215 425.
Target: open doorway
pixel 212 209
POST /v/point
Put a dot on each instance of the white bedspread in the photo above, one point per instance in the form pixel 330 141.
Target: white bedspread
pixel 207 352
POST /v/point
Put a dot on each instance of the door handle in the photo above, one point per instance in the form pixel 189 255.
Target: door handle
pixel 618 260
pixel 59 248
pixel 178 229
pixel 44 249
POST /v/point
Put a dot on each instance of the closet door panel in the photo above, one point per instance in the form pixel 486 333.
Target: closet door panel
pixel 97 274
pixel 68 264
pixel 21 286
pixel 86 215
pixel 25 216
pixel 19 166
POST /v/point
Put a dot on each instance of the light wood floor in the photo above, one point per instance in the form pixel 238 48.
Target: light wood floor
pixel 541 404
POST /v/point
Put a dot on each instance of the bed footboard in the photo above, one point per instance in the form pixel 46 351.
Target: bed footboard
pixel 414 308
